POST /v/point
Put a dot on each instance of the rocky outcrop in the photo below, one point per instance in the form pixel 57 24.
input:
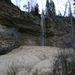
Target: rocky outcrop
pixel 34 60
pixel 11 15
pixel 29 24
pixel 29 60
pixel 9 39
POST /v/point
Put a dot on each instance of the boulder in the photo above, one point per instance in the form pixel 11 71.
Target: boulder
pixel 43 68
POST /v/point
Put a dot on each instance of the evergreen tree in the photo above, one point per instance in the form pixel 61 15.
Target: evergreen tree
pixel 32 10
pixel 36 9
pixel 50 6
pixel 47 6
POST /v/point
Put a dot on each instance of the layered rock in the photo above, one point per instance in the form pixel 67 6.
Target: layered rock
pixel 9 39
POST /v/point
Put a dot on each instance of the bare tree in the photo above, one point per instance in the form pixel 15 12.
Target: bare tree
pixel 65 9
pixel 70 15
pixel 29 7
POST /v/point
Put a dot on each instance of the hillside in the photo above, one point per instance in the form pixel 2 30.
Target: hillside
pixel 10 15
pixel 28 26
pixel 35 44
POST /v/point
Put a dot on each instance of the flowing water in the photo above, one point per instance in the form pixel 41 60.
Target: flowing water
pixel 43 29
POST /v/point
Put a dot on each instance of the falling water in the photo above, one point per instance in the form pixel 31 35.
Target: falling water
pixel 42 23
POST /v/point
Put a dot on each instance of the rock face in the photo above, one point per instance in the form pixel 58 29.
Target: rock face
pixel 29 24
pixel 9 39
pixel 7 1
pixel 28 60
pixel 11 15
pixel 69 41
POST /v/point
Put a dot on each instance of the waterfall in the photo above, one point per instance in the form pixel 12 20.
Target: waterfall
pixel 42 25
